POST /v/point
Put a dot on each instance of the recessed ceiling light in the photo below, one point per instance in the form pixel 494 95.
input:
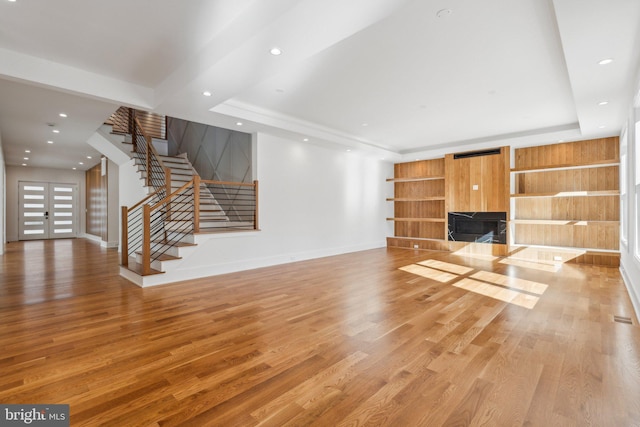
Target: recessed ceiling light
pixel 80 163
pixel 206 93
pixel 239 123
pixel 601 127
pixel 306 139
pixel 24 164
pixel 603 103
pixel 49 142
pixel 25 158
pixel 74 168
pixel 12 1
pixel 275 51
pixel 56 131
pixel 605 61
pixel 27 151
pixel 63 115
pixel 88 157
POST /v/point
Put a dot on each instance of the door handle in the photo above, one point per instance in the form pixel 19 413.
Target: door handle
pixel 46 215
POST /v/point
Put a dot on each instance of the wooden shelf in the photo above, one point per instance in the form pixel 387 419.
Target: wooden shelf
pixel 568 194
pixel 442 220
pixel 422 178
pixel 417 199
pixel 561 222
pixel 577 184
pixel 588 251
pixel 595 164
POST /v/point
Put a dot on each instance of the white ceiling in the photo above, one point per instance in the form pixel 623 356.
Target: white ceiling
pixel 397 78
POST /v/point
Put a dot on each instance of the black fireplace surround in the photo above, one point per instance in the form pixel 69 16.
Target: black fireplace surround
pixel 479 227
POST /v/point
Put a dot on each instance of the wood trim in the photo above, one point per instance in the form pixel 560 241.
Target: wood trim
pixel 417 219
pixel 562 222
pixel 196 203
pixel 569 194
pixel 417 199
pixel 124 249
pixel 596 164
pixel 146 240
pixel 424 178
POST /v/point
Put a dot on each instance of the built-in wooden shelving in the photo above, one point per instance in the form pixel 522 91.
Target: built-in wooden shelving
pixel 424 178
pixel 566 197
pixel 418 204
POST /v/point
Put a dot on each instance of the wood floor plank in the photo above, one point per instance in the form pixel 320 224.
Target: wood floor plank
pixel 382 337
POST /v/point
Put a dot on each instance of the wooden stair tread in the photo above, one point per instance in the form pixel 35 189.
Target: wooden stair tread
pixel 137 268
pixel 179 244
pixel 161 257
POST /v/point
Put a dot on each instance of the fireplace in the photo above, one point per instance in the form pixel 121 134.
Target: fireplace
pixel 479 227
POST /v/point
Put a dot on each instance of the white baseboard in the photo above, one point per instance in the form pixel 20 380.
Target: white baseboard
pixel 635 298
pixel 181 274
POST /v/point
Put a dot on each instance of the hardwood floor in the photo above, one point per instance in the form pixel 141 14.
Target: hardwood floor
pixel 383 337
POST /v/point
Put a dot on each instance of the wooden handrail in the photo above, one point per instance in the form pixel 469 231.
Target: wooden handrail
pixel 239 184
pixel 124 250
pixel 168 198
pixel 146 240
pixel 150 147
pixel 196 204
pixel 141 202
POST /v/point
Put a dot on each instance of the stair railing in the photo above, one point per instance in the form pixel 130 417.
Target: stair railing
pixel 156 232
pixel 239 202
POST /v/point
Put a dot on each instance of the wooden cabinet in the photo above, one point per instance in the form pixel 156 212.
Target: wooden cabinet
pixel 566 197
pixel 479 183
pixel 418 204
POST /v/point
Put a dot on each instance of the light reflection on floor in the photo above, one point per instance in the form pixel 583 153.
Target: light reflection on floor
pixel 446 266
pixel 521 292
pixel 496 292
pixel 552 268
pixel 429 273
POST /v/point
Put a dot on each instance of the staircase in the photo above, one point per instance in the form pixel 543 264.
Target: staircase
pixel 164 227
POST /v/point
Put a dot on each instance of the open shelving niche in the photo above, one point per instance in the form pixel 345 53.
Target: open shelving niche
pixel 419 205
pixel 565 204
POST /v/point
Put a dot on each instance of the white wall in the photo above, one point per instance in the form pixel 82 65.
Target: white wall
pixel 130 191
pixel 21 173
pixel 314 202
pixel 113 208
pixel 3 211
pixel 629 263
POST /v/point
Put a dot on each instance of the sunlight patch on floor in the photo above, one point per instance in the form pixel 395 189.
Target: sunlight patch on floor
pixel 496 292
pixel 429 273
pixel 513 290
pixel 551 268
pixel 511 282
pixel 446 266
pixel 482 257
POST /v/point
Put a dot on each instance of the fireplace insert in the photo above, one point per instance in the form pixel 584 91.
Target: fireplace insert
pixel 479 227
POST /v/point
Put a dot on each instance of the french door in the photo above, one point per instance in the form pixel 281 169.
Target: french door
pixel 47 210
